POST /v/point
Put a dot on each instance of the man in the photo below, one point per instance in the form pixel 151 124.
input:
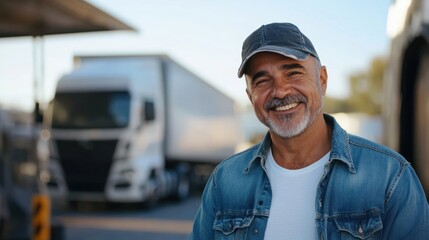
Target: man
pixel 308 178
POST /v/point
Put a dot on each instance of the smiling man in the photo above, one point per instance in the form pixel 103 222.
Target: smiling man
pixel 308 178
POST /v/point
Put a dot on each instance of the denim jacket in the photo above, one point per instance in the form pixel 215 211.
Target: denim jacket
pixel 367 192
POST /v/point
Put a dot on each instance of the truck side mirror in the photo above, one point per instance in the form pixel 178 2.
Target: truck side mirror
pixel 38 116
pixel 149 110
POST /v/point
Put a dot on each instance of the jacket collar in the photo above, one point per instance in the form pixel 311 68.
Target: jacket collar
pixel 340 147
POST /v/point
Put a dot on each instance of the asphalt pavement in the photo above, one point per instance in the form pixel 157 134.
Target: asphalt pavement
pixel 169 220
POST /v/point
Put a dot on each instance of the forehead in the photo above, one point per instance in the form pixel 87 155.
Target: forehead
pixel 264 59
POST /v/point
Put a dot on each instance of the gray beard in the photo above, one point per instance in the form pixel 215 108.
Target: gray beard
pixel 286 130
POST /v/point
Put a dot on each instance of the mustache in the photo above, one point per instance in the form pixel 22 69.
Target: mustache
pixel 277 102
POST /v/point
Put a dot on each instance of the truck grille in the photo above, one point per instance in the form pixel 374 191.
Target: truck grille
pixel 86 164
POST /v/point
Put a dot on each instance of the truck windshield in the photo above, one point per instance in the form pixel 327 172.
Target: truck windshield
pixel 91 110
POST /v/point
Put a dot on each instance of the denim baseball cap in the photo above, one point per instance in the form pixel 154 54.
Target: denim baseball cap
pixel 282 38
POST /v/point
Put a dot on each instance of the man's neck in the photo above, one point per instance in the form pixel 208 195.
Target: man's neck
pixel 305 149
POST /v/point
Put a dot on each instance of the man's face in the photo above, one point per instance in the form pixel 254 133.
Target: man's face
pixel 285 93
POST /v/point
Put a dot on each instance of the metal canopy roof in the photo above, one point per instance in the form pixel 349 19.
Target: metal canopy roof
pixel 45 17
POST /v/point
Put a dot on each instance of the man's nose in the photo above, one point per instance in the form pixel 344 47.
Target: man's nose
pixel 281 88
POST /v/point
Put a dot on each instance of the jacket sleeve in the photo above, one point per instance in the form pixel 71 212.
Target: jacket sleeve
pixel 407 210
pixel 204 220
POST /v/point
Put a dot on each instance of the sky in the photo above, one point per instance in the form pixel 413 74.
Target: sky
pixel 205 36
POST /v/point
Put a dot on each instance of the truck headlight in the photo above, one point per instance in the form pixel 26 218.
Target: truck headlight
pixel 126 175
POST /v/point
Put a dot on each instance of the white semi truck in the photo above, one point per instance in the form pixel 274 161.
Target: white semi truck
pixel 135 129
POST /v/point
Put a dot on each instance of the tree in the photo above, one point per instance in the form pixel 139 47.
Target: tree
pixel 366 88
pixel 335 105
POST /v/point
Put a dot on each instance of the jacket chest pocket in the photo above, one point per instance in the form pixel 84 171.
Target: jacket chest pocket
pixel 362 225
pixel 232 227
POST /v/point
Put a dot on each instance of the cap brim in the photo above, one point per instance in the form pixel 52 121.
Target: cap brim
pixel 287 52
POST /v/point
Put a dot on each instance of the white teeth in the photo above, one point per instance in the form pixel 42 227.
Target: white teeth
pixel 287 107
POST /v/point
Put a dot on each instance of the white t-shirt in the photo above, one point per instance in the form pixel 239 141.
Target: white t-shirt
pixel 292 212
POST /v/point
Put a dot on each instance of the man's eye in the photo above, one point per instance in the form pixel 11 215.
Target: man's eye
pixel 295 73
pixel 260 81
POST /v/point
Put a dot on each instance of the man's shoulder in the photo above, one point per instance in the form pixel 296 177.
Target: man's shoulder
pixel 374 151
pixel 369 146
pixel 239 160
pixel 358 149
pixel 239 175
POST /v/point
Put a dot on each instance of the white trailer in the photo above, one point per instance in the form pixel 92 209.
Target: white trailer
pixel 135 128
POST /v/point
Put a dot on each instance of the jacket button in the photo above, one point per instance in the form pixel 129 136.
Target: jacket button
pixel 260 202
pixel 360 231
pixel 256 231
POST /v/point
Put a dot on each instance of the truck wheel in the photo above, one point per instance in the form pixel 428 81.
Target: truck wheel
pixel 155 196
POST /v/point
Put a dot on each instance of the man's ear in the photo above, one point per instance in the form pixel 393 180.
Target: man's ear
pixel 249 96
pixel 323 79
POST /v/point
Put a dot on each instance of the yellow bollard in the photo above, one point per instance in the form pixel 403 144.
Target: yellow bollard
pixel 41 217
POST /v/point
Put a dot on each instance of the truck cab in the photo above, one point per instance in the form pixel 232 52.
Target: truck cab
pixel 106 131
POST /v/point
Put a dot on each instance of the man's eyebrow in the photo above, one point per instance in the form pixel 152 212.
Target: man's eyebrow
pixel 291 66
pixel 258 75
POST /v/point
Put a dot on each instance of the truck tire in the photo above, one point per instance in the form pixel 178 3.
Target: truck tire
pixel 152 201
